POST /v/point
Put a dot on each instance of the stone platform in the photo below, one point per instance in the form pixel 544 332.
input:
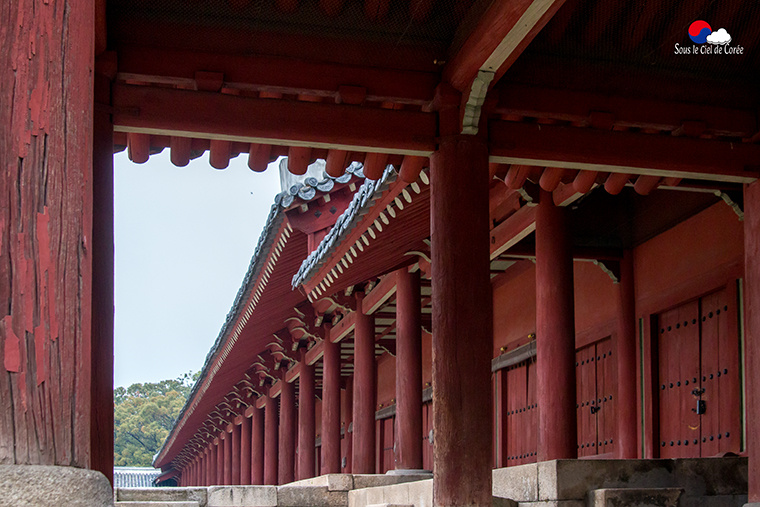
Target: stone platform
pixel 53 486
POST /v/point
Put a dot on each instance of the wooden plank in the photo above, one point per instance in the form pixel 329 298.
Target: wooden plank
pixel 508 233
pixel 208 115
pixel 622 152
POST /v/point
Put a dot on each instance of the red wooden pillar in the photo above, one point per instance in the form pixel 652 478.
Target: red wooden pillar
pixel 235 454
pixel 555 329
pixel 408 371
pixel 752 330
pixel 228 455
pixel 330 406
pixel 257 446
pixel 626 361
pixel 220 460
pixel 245 451
pixel 287 454
pixel 101 428
pixel 364 392
pixel 209 464
pixel 212 463
pixel 306 423
pixel 271 414
pixel 462 322
pixel 349 425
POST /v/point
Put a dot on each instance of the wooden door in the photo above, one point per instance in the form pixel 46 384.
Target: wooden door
pixel 699 405
pixel 519 414
pixel 387 458
pixel 595 407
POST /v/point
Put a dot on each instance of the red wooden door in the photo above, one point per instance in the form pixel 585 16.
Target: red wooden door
pixel 699 378
pixel 387 439
pixel 520 415
pixel 595 381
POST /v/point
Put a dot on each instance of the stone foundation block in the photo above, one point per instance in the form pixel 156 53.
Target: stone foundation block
pixel 186 494
pixel 617 497
pixel 242 496
pixel 53 486
pixel 310 496
pixel 157 504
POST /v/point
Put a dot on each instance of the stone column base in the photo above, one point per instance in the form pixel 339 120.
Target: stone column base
pixel 53 486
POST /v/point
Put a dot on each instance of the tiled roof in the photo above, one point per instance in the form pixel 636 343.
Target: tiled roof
pixel 134 477
pixel 310 189
pixel 360 205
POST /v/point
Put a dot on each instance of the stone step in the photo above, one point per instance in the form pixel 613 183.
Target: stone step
pixel 157 503
pixel 634 497
pixel 197 495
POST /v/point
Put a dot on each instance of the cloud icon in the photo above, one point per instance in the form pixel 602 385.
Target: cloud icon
pixel 720 37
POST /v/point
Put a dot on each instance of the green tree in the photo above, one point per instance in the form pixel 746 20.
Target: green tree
pixel 143 416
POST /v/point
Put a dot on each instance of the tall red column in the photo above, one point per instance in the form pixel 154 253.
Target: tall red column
pixel 752 330
pixel 228 457
pixel 271 446
pixel 210 464
pixel 287 455
pixel 462 322
pixel 364 392
pixel 626 361
pixel 220 460
pixel 245 451
pixel 555 333
pixel 349 425
pixel 330 406
pixel 235 454
pixel 408 371
pixel 257 446
pixel 306 424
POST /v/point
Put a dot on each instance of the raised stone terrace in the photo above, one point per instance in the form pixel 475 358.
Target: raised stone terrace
pixel 708 482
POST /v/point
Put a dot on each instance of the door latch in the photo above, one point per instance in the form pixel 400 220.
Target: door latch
pixel 594 409
pixel 701 407
pixel 698 392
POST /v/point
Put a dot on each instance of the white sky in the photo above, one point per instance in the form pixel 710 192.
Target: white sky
pixel 184 237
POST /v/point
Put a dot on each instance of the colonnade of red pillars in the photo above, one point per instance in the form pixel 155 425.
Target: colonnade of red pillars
pixel 261 448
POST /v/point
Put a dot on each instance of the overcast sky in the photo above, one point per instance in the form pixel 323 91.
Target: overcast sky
pixel 184 237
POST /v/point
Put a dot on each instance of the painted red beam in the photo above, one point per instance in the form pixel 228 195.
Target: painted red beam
pixel 163 111
pixel 622 152
pixel 640 112
pixel 501 35
pixel 275 74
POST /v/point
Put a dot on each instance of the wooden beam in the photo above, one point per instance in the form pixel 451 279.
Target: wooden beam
pixel 512 230
pixel 623 152
pixel 639 112
pixel 150 110
pixel 343 328
pixel 275 74
pixel 501 35
pixel 379 294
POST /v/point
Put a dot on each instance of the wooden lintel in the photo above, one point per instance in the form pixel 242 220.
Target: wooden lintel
pixel 514 357
pixel 623 152
pixel 379 294
pixel 207 115
pixel 343 328
pixel 315 353
pixel 261 402
pixel 639 112
pixel 238 420
pixel 275 389
pixel 293 373
pixel 512 230
pixel 274 74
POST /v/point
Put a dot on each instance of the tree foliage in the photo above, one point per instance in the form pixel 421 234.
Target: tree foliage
pixel 143 416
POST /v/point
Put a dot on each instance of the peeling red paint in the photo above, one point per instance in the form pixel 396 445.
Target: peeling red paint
pixel 12 355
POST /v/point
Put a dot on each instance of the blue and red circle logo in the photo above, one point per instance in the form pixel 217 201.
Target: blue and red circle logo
pixel 699 30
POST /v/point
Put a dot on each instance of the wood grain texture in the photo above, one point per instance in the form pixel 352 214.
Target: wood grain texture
pixel 46 109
